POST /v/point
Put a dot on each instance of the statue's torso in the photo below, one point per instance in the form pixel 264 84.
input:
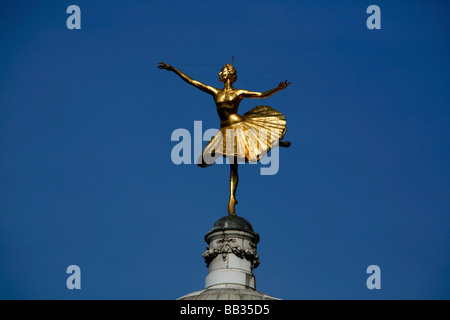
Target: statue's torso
pixel 227 103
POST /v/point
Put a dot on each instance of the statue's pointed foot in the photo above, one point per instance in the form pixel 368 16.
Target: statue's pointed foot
pixel 285 144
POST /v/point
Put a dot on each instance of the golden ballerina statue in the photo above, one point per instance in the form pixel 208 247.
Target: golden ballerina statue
pixel 241 138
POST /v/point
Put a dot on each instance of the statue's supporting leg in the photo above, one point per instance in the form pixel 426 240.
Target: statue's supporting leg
pixel 234 180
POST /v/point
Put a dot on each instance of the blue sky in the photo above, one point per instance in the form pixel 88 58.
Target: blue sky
pixel 86 118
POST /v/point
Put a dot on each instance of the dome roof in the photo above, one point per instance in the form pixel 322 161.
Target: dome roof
pixel 230 222
pixel 227 294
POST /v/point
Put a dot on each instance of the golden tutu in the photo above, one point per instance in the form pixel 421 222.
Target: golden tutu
pixel 247 140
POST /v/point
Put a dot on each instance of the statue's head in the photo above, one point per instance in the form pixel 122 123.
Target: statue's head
pixel 228 72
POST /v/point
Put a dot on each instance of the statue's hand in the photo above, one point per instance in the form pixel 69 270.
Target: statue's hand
pixel 283 85
pixel 165 66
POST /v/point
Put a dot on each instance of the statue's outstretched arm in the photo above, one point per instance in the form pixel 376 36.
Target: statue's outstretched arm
pixel 260 95
pixel 208 89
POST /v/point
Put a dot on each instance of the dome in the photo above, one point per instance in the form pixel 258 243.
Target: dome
pixel 230 222
pixel 227 294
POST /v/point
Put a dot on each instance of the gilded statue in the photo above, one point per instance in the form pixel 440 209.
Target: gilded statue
pixel 241 138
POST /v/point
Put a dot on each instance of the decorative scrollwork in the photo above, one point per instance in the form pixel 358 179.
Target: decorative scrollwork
pixel 226 247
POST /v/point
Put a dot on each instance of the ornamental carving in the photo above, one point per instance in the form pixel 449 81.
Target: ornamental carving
pixel 228 245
